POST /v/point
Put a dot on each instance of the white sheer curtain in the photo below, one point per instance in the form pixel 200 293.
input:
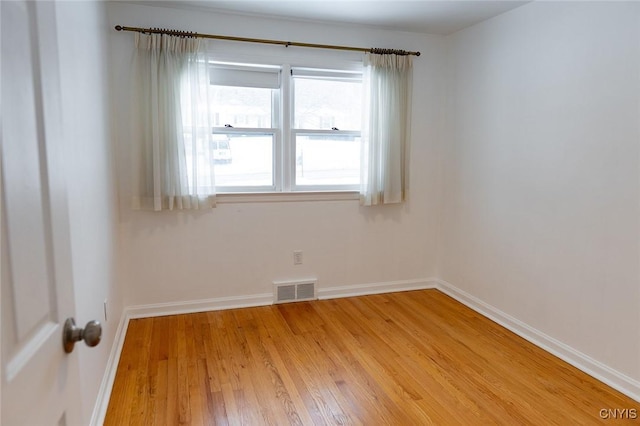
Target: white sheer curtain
pixel 171 131
pixel 387 88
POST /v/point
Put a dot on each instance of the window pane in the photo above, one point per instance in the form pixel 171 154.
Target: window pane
pixel 243 160
pixel 323 104
pixel 242 106
pixel 327 160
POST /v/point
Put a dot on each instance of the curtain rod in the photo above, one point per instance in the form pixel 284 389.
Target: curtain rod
pixel 264 41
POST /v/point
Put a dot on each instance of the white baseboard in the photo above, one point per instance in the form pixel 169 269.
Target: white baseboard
pixel 600 371
pixel 104 393
pixel 193 306
pixel 376 288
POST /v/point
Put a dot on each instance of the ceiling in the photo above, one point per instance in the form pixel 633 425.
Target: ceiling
pixel 424 16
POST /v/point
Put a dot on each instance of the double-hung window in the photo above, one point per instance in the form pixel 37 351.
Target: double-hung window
pixel 327 112
pixel 246 126
pixel 285 129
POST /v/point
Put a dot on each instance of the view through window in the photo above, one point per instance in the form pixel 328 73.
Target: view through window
pixel 326 133
pixel 277 129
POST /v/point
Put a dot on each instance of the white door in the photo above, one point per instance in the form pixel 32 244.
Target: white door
pixel 39 380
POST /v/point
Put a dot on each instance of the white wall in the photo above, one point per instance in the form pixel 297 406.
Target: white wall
pixel 541 214
pixel 91 187
pixel 239 249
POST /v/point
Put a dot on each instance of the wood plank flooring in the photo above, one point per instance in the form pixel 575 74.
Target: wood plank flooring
pixel 410 358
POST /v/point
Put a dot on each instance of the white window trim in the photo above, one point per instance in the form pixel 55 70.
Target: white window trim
pixel 284 187
pixel 278 197
pixel 348 75
pixel 287 153
pixel 319 188
pixel 257 131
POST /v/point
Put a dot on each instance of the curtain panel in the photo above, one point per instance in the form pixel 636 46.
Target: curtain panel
pixel 171 134
pixel 387 100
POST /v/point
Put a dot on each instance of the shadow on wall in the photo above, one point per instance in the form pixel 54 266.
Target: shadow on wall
pixel 392 212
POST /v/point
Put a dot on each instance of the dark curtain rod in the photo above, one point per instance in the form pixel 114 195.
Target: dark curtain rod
pixel 259 40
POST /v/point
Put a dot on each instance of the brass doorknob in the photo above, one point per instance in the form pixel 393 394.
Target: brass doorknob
pixel 91 334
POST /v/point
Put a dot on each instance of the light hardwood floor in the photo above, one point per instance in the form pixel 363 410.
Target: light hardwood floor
pixel 410 358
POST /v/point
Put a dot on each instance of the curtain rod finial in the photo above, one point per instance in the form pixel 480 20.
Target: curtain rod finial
pixel 118 27
pixel 417 53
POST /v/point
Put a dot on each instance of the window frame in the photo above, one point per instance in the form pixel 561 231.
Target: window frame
pixel 325 75
pixel 252 131
pixel 284 133
pixel 274 130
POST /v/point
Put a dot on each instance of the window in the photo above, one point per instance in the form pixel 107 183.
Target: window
pixel 283 129
pixel 245 116
pixel 327 111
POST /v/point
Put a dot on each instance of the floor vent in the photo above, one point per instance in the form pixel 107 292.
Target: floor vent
pixel 294 291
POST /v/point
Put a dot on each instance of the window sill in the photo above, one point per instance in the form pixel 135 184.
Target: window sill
pixel 283 197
